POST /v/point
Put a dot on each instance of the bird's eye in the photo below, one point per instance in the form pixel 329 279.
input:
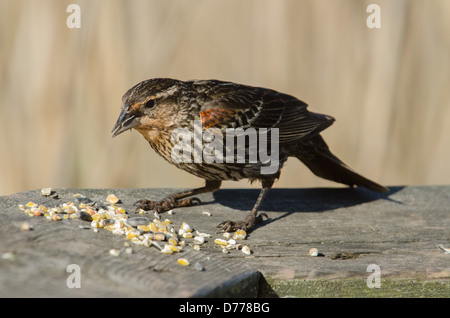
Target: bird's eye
pixel 150 103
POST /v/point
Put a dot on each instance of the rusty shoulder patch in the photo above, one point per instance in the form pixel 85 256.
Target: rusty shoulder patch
pixel 216 117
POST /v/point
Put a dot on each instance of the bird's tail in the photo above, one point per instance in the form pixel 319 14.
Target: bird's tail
pixel 315 154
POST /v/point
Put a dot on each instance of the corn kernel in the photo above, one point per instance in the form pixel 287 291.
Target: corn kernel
pixel 144 228
pixel 96 217
pixel 114 252
pixel 240 235
pixel 175 248
pixel 153 227
pixel 173 241
pixel 166 249
pixel 159 237
pixel 31 204
pixel 186 227
pixel 314 252
pixel 136 241
pixel 118 231
pixel 36 212
pixel 130 235
pixel 220 241
pixel 246 250
pixel 112 199
pixel 183 262
pixel 199 240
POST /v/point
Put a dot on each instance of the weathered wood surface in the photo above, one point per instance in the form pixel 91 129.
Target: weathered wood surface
pixel 351 228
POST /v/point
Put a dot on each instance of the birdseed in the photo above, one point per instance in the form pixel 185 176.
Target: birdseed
pixel 183 262
pixel 314 252
pixel 137 230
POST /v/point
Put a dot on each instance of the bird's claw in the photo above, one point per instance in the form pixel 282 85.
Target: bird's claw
pixel 165 204
pixel 247 224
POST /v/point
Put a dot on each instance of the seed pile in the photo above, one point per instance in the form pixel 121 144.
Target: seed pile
pixel 139 230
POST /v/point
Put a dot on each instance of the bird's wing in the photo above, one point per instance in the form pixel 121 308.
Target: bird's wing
pixel 229 105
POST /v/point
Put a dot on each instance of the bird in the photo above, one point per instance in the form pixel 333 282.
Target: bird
pixel 162 108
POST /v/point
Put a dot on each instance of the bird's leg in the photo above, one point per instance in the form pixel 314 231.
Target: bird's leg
pixel 252 218
pixel 178 200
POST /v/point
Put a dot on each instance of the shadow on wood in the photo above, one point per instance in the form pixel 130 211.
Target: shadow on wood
pixel 301 200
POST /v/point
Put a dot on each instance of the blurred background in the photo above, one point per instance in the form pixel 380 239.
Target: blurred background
pixel 61 88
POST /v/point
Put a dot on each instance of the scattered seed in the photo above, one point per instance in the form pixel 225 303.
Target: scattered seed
pixel 173 241
pixel 166 249
pixel 95 224
pixel 220 241
pixel 112 199
pixel 136 221
pixel 46 192
pixel 175 249
pixel 56 217
pixel 199 240
pixel 199 267
pixel 246 250
pixel 314 252
pixel 186 227
pixel 446 250
pixel 156 245
pixel 183 262
pixel 129 250
pixel 202 234
pixel 240 235
pixel 137 230
pixel 114 252
pixel 231 242
pixel 9 256
pixel 144 228
pixel 26 226
pixel 159 237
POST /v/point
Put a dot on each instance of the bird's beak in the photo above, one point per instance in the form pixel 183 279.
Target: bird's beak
pixel 126 121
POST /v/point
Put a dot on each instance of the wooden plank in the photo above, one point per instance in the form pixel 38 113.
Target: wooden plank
pixel 41 258
pixel 351 228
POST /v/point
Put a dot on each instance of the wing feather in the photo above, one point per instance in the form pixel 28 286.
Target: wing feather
pixel 230 105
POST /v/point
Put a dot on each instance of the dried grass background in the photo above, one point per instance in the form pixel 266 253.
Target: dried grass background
pixel 60 88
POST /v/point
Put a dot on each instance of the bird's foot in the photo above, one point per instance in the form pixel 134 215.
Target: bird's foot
pixel 165 204
pixel 247 224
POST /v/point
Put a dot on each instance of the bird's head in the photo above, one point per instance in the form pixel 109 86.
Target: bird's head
pixel 149 105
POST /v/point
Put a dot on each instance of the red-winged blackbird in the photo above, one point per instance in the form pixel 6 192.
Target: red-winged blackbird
pixel 157 107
